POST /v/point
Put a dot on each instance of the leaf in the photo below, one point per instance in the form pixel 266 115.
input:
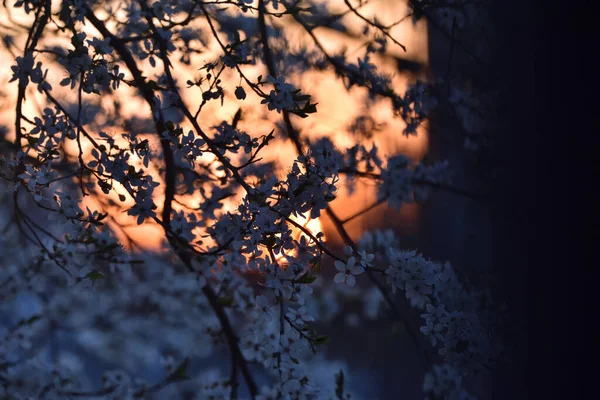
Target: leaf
pixel 339 384
pixel 302 97
pixel 75 41
pixel 322 339
pixel 317 265
pixel 306 279
pixel 310 108
pixel 94 275
pixel 101 216
pixel 30 320
pixel 152 84
pixel 299 113
pixel 236 118
pixel 179 373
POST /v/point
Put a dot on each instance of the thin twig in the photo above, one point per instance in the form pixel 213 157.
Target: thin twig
pixel 388 298
pixel 381 28
pixel 147 93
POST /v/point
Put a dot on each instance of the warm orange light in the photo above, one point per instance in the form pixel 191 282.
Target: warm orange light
pixel 337 110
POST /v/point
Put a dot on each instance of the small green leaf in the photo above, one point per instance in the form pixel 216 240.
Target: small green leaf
pixel 317 266
pixel 101 216
pixel 322 339
pixel 94 275
pixel 306 279
pixel 339 384
pixel 302 97
pixel 179 373
pixel 33 319
pixel 299 113
pixel 30 320
pixel 310 108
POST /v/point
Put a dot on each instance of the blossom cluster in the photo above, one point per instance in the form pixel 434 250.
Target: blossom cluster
pixel 402 183
pixel 462 324
pixel 238 280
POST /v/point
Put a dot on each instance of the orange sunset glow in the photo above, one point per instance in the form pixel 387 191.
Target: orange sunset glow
pixel 339 113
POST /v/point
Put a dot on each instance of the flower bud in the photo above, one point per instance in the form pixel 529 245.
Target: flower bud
pixel 240 93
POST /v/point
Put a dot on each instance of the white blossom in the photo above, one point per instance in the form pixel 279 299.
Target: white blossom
pixel 347 271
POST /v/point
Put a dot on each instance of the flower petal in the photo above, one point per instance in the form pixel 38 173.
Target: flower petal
pixel 350 280
pixel 351 262
pixel 357 270
pixel 339 277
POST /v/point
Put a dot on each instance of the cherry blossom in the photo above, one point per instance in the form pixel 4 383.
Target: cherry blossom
pixel 347 271
pixel 159 134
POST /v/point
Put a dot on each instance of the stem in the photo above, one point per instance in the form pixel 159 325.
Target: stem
pixel 35 33
pixel 270 62
pixel 388 298
pixel 381 28
pixel 148 94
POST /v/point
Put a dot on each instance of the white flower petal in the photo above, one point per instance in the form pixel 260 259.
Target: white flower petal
pixel 339 277
pixel 341 266
pixel 350 280
pixel 357 270
pixel 351 262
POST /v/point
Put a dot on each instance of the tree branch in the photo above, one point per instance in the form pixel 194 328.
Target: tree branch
pixel 148 95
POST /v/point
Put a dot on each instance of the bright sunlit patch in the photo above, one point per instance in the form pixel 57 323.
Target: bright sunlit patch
pixel 313 225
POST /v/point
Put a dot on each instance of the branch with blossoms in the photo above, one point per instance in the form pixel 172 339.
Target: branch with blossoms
pixel 238 273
